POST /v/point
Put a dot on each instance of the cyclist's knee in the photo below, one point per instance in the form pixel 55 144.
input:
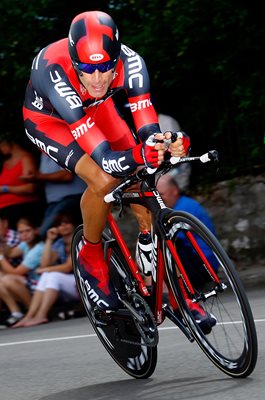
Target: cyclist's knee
pixel 98 181
pixel 102 185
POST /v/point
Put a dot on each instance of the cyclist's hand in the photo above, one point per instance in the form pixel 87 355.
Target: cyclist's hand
pixel 181 146
pixel 150 153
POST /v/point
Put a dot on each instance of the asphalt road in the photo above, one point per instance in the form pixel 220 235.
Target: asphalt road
pixel 65 361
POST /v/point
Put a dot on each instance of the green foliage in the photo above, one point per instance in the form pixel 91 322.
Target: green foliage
pixel 207 56
pixel 205 60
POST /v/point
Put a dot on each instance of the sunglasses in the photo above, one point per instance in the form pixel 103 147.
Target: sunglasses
pixel 91 68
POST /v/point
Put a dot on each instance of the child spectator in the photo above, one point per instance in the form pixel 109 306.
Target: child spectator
pixel 57 280
pixel 18 283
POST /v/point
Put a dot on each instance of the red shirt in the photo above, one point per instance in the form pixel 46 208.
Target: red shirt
pixel 11 177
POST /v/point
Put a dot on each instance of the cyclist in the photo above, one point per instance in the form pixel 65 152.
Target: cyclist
pixel 70 114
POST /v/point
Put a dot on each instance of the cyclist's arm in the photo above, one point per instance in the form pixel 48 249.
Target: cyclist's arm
pixel 91 139
pixel 137 87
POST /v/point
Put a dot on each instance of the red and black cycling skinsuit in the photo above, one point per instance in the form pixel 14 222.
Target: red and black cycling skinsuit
pixel 65 122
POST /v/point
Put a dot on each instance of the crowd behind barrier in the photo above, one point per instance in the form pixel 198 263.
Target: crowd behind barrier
pixel 33 195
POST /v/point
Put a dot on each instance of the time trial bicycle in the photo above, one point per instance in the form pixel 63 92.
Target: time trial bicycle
pixel 130 333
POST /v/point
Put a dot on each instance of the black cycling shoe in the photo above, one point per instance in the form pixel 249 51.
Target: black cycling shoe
pixel 205 320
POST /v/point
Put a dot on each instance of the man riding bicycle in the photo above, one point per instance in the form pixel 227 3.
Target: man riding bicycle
pixel 70 114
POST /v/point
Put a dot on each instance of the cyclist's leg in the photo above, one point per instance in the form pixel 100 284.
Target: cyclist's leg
pixel 95 271
pixel 143 250
pixel 94 209
pixel 120 136
pixel 51 133
pixel 143 216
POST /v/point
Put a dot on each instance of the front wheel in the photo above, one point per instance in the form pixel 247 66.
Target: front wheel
pixel 120 336
pixel 232 343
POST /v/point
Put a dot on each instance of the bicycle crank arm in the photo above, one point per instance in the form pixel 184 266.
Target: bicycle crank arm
pixel 177 322
pixel 140 319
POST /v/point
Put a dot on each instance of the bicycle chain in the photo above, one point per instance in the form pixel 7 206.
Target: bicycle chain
pixel 136 298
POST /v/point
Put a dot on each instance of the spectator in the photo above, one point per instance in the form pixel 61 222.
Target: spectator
pixel 17 198
pixel 9 238
pixel 57 280
pixel 63 191
pixel 170 193
pixel 168 123
pixel 18 283
pixel 181 173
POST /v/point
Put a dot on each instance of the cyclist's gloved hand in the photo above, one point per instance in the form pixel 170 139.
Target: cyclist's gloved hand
pixel 145 153
pixel 185 140
pixel 149 153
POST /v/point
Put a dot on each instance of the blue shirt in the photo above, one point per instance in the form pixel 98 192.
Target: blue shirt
pixel 192 206
pixel 31 258
pixel 59 247
pixel 185 203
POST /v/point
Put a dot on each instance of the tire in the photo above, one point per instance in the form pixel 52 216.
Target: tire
pixel 137 359
pixel 232 343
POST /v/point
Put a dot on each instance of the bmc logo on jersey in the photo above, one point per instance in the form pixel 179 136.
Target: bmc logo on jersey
pixel 140 105
pixel 96 57
pixel 110 166
pixel 51 151
pixel 134 67
pixel 65 91
pixel 80 130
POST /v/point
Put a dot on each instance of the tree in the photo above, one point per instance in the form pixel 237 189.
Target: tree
pixel 205 55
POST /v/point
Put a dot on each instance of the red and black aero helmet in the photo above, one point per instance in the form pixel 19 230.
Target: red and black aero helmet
pixel 93 39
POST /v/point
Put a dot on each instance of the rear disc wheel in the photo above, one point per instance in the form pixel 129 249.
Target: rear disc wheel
pixel 120 336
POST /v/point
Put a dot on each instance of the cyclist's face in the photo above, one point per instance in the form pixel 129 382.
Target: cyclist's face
pixel 97 84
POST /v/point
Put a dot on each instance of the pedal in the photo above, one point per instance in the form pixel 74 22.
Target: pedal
pixel 101 318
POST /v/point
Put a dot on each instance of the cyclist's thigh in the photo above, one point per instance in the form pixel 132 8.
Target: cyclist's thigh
pixel 54 137
pixel 114 127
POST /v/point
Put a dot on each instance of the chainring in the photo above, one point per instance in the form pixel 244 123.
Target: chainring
pixel 148 328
